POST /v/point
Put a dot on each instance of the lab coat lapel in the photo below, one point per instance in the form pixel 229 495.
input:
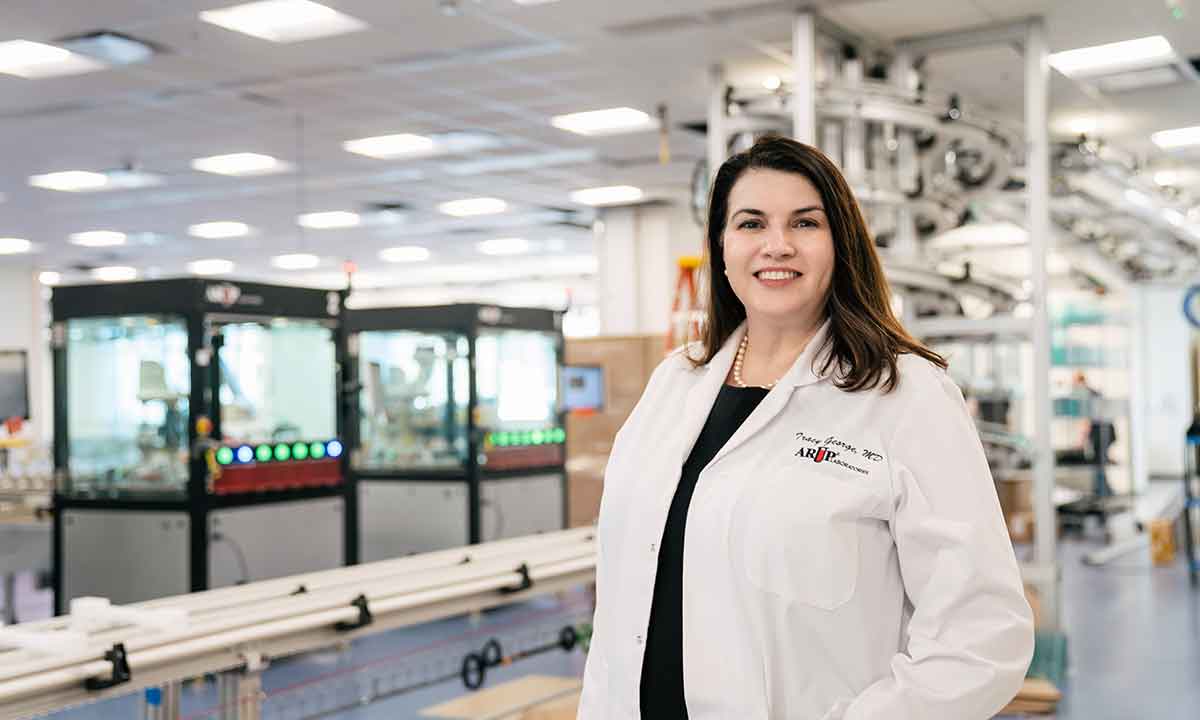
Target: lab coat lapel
pixel 803 372
pixel 703 394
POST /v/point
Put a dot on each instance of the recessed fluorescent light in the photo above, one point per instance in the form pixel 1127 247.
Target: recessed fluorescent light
pixel 219 230
pixel 503 246
pixel 1174 217
pixel 605 122
pixel 1166 177
pixel 772 82
pixel 239 164
pixel 1083 126
pixel 534 2
pixel 404 254
pixel 283 21
pixel 110 48
pixel 1179 137
pixel 98 238
pixel 390 146
pixel 1111 57
pixel 38 60
pixel 611 195
pixel 212 266
pixel 14 246
pixel 473 206
pixel 49 277
pixel 1137 198
pixel 329 220
pixel 70 181
pixel 296 261
pixel 115 273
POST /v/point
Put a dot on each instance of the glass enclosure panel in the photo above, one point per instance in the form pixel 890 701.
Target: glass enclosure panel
pixel 413 403
pixel 277 381
pixel 128 382
pixel 517 380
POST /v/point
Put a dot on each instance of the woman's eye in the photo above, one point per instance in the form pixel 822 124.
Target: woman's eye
pixel 806 223
pixel 749 225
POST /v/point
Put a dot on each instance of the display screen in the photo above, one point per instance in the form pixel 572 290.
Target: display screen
pixel 583 388
pixel 14 384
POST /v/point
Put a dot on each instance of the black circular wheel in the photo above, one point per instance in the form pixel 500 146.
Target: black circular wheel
pixel 492 653
pixel 473 671
pixel 568 638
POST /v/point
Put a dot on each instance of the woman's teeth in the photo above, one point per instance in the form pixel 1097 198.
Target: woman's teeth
pixel 777 275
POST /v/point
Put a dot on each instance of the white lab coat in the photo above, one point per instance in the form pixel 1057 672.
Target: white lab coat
pixel 873 581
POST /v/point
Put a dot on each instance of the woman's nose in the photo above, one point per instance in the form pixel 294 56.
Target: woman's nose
pixel 777 245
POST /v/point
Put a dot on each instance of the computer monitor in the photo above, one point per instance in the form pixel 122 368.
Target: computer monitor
pixel 583 388
pixel 14 384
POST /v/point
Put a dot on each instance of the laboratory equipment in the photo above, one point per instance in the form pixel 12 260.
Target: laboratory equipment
pixel 457 434
pixel 196 436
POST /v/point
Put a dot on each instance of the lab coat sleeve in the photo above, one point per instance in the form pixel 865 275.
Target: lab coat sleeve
pixel 592 700
pixel 970 637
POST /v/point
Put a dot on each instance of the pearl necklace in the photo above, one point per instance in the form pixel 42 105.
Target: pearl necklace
pixel 737 365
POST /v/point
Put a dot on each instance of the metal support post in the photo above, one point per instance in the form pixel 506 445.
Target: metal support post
pixel 718 133
pixel 804 78
pixel 162 702
pixel 1037 144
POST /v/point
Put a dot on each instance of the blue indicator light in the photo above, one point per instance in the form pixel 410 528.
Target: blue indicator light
pixel 245 454
pixel 333 449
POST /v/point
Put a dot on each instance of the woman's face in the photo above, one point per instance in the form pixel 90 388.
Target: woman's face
pixel 778 248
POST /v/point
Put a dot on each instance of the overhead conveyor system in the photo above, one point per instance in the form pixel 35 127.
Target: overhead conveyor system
pixel 101 651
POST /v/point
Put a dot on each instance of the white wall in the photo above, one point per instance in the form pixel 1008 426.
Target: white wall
pixel 1164 377
pixel 22 318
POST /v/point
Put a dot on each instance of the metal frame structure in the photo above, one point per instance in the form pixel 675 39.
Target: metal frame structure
pixel 1029 37
pixel 101 651
pixel 468 320
pixel 200 303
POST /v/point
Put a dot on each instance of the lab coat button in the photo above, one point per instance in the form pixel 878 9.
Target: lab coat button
pixel 639 639
pixel 653 547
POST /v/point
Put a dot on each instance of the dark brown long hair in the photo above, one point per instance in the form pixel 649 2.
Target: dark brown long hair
pixel 865 338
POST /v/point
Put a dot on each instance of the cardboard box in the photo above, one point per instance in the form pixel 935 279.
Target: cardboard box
pixel 1015 493
pixel 1020 526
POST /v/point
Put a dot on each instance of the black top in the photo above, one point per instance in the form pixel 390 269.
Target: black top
pixel 662 667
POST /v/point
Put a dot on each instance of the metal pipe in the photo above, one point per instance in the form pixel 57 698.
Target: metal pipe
pixel 1037 143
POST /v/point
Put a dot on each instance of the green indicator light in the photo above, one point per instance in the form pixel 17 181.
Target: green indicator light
pixel 300 451
pixel 316 450
pixel 538 436
pixel 263 453
pixel 283 452
pixel 500 439
pixel 526 438
pixel 225 456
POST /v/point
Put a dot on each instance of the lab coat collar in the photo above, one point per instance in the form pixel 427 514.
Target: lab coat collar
pixel 805 371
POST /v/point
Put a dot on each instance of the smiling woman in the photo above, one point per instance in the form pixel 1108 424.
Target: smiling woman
pixel 831 512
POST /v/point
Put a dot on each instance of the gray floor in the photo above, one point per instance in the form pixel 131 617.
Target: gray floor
pixel 1133 633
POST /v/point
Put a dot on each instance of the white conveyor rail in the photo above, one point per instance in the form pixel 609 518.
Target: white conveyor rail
pixel 46 666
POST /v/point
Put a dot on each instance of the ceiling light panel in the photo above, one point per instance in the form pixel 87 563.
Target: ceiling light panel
pixel 1113 57
pixel 1179 137
pixel 240 164
pixel 472 207
pixel 14 246
pixel 404 254
pixel 610 195
pixel 212 266
pixel 34 60
pixel 605 122
pixel 218 230
pixel 329 220
pixel 115 273
pixel 283 21
pixel 503 246
pixel 70 181
pixel 385 147
pixel 98 238
pixel 295 261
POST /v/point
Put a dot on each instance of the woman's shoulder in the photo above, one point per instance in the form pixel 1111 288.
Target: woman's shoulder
pixel 922 380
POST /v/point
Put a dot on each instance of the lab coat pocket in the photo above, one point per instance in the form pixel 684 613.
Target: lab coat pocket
pixel 799 533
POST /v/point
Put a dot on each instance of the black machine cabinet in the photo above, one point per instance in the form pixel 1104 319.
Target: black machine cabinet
pixel 197 442
pixel 455 425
